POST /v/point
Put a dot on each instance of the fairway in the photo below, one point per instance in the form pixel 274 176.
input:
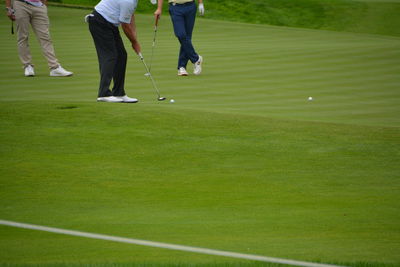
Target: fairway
pixel 241 162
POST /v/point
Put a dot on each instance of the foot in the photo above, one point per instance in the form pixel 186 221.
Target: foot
pixel 60 72
pixel 182 72
pixel 197 66
pixel 127 99
pixel 110 99
pixel 29 71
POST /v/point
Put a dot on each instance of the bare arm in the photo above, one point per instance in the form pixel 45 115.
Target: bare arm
pixel 130 32
pixel 158 12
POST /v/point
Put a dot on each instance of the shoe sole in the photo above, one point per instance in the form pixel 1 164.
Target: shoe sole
pixel 127 102
pixel 105 101
pixel 52 75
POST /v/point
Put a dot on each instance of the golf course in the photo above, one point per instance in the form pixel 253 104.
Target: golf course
pixel 242 161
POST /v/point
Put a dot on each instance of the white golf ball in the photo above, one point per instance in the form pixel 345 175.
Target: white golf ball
pixel 172 101
pixel 310 98
pixel 153 2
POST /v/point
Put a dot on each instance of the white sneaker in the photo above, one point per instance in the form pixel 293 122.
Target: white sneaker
pixel 197 66
pixel 60 72
pixel 110 99
pixel 182 72
pixel 29 71
pixel 127 99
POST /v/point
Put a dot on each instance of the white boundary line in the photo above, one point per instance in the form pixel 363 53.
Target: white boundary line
pixel 164 245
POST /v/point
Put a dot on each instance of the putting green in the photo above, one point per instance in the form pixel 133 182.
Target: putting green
pixel 242 161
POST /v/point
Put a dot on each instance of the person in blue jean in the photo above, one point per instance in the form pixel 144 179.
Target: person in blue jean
pixel 183 16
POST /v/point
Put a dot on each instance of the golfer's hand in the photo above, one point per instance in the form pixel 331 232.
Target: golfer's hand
pixel 201 9
pixel 136 47
pixel 157 13
pixel 11 14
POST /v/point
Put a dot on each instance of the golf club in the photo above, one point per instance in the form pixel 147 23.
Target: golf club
pixel 12 21
pixel 159 98
pixel 154 44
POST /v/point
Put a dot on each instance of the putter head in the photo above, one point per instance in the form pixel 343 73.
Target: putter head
pixel 161 98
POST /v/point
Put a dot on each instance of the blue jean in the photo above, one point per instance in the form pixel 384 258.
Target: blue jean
pixel 183 17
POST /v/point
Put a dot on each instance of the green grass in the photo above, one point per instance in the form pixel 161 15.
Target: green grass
pixel 375 17
pixel 240 162
pixel 242 264
pixel 338 15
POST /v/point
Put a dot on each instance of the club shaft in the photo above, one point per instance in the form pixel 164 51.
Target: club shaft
pixel 154 44
pixel 151 76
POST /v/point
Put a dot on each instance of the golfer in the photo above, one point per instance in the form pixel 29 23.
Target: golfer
pixel 183 15
pixel 111 53
pixel 33 13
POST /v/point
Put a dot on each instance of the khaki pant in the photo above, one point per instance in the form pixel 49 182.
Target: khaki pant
pixel 25 15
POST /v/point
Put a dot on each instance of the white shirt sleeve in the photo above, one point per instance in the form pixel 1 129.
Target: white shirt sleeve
pixel 126 11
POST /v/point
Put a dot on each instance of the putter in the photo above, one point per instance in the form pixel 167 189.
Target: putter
pixel 12 21
pixel 154 44
pixel 159 98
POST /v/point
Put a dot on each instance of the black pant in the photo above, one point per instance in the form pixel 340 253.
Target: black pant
pixel 111 54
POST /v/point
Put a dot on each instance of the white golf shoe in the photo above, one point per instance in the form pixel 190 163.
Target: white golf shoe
pixel 110 99
pixel 60 72
pixel 197 66
pixel 127 99
pixel 29 71
pixel 182 72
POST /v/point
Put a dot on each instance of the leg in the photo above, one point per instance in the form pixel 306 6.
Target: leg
pixel 120 67
pixel 178 17
pixel 40 25
pixel 178 24
pixel 106 52
pixel 190 18
pixel 22 19
pixel 183 58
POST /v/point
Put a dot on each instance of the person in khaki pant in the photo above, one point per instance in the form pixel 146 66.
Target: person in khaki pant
pixel 33 13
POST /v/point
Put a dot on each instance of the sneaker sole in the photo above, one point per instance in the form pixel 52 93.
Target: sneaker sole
pixel 60 75
pixel 110 101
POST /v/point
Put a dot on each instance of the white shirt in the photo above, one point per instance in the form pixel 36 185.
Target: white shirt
pixel 117 11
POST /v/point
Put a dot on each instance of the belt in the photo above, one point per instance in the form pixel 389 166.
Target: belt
pixel 187 3
pixel 26 2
